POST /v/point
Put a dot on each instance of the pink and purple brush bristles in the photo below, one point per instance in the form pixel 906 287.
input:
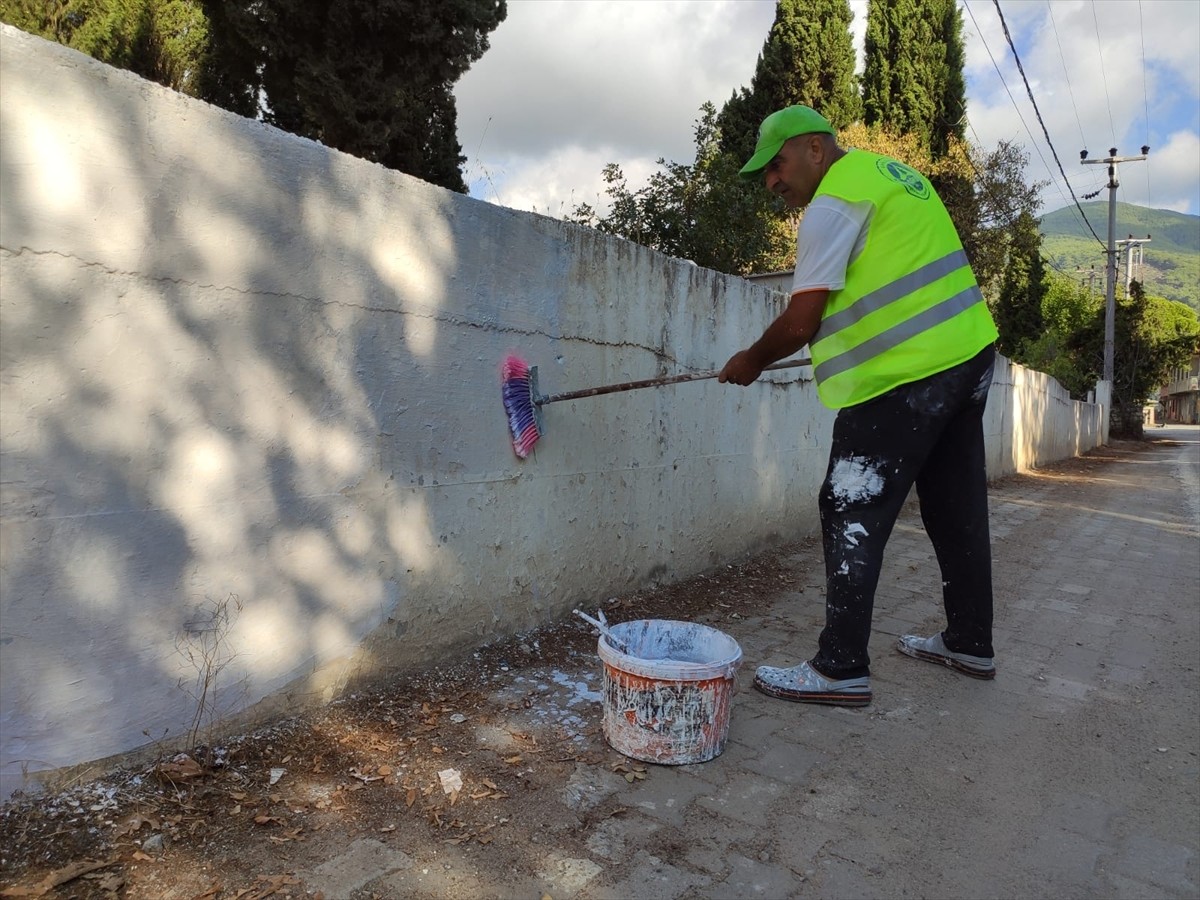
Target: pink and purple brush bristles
pixel 519 386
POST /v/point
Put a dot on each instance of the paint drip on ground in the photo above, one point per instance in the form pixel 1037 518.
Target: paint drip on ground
pixel 668 699
pixel 854 480
pixel 559 696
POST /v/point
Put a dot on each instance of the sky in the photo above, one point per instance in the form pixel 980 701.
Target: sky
pixel 568 86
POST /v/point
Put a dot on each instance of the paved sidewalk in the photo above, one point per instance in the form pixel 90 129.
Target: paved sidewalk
pixel 1073 774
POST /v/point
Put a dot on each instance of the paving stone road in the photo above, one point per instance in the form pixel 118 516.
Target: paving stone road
pixel 1073 774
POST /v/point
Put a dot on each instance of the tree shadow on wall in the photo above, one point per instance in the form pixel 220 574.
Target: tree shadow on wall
pixel 217 339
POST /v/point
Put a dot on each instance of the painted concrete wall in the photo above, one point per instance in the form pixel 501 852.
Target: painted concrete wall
pixel 237 364
pixel 1031 420
pixel 250 418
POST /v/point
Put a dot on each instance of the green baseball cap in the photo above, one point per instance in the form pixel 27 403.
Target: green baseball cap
pixel 777 129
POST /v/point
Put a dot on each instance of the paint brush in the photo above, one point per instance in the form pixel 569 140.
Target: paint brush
pixel 603 628
pixel 523 401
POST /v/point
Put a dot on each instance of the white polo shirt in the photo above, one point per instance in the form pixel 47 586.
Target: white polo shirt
pixel 831 235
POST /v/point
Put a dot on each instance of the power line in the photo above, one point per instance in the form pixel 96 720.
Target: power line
pixel 1016 107
pixel 1063 58
pixel 1012 219
pixel 1038 113
pixel 1100 53
pixel 1145 94
pixel 1083 142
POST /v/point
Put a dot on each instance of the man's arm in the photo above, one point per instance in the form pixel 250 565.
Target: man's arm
pixel 794 328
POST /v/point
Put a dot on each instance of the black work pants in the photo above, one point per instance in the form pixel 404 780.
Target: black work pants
pixel 928 432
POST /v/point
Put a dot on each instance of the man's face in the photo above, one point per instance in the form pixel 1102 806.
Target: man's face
pixel 796 171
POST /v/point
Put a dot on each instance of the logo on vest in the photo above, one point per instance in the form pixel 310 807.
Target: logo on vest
pixel 907 178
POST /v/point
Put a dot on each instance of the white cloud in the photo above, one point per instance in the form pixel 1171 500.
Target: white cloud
pixel 570 85
pixel 630 75
pixel 1084 65
pixel 555 182
pixel 1171 176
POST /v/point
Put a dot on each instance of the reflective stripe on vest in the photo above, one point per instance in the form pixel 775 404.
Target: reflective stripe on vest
pixel 894 337
pixel 889 293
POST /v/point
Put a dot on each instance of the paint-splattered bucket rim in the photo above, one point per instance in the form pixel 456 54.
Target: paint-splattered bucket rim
pixel 721 653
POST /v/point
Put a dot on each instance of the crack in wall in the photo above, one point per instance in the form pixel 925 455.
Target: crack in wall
pixel 445 319
pixel 155 279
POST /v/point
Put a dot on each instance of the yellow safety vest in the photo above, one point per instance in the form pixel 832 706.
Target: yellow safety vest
pixel 911 306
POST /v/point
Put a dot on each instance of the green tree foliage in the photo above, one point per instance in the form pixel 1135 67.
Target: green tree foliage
pixel 689 212
pixel 1068 307
pixel 913 74
pixel 996 216
pixel 808 57
pixel 704 211
pixel 231 76
pixel 162 40
pixel 1018 308
pixel 373 78
pixel 947 58
pixel 1151 336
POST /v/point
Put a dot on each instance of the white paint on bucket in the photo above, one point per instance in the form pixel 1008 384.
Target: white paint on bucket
pixel 668 699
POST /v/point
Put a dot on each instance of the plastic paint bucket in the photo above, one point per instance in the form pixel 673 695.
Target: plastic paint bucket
pixel 667 700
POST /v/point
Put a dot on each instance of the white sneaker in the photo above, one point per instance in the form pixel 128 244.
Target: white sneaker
pixel 933 649
pixel 804 684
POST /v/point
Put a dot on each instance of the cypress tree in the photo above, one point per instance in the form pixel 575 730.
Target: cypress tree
pixel 1018 309
pixel 913 74
pixel 950 92
pixel 808 58
pixel 373 78
pixel 161 40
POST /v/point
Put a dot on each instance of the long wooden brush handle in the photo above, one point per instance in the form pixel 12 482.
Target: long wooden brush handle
pixel 654 382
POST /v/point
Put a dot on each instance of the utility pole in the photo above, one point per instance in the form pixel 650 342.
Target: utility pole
pixel 1091 282
pixel 1111 291
pixel 1133 257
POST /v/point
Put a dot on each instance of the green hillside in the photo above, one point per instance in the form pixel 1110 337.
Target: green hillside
pixel 1170 261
